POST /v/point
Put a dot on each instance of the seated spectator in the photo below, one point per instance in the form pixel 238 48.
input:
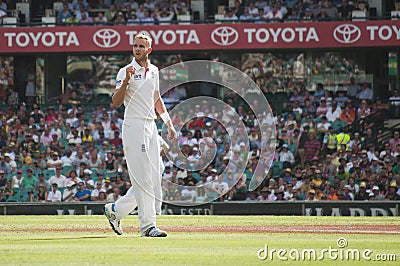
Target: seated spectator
pixel 274 14
pixel 114 196
pixel 133 19
pixel 64 14
pixel 230 15
pixel 345 10
pixel 148 19
pixel 348 115
pixel 55 194
pixel 82 193
pixel 69 192
pixel 86 19
pixel 58 178
pixel 392 192
pixel 286 156
pixel 307 15
pixel 331 10
pixel 81 12
pixel 72 19
pixel 189 193
pixel 221 187
pixel 376 194
pixel 311 195
pixel 94 196
pixel 246 15
pixel 100 19
pixel 366 93
pixel 294 15
pixel 364 110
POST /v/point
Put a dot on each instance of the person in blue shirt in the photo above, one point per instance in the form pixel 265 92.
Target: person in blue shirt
pixel 82 194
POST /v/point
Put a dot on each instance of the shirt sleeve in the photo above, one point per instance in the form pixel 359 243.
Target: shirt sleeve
pixel 120 78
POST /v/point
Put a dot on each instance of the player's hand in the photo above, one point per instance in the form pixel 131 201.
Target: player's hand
pixel 130 71
pixel 172 135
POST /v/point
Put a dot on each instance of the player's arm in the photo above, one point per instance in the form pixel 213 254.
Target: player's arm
pixel 122 82
pixel 162 111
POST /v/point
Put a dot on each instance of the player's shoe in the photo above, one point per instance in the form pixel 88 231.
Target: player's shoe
pixel 109 211
pixel 154 232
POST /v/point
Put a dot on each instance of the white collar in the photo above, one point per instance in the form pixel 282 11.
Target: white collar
pixel 136 65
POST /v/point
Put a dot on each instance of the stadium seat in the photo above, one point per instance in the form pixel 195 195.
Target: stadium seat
pixel 25 168
pixel 66 168
pixel 200 199
pixel 13 199
pixel 212 195
pixel 48 173
pixel 42 148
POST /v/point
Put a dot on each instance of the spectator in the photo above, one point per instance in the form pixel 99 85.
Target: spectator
pixel 86 18
pixel 94 196
pixel 230 15
pixel 246 15
pixel 69 192
pixel 274 15
pixel 111 13
pixel 334 112
pixel 394 141
pixel 366 93
pixel 64 14
pixel 114 196
pixel 54 195
pixel 311 147
pixel 331 10
pixel 353 89
pixel 221 187
pixel 345 10
pixel 377 195
pixel 286 156
pixel 100 19
pixel 29 181
pixel 392 192
pixel 311 195
pixel 82 14
pixel 82 193
pixel 189 193
pixel 42 193
pixel 72 19
pixel 133 19
pixel 148 19
pixel 58 178
pixel 165 17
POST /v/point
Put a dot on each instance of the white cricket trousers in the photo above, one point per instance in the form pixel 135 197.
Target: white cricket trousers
pixel 142 153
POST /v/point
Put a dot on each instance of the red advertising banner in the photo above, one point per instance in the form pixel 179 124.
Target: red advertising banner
pixel 202 36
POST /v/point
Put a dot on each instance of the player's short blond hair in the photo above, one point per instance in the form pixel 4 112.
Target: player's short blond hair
pixel 144 37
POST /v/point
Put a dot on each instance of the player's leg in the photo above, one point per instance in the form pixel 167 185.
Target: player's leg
pixel 142 167
pixel 154 155
pixel 158 189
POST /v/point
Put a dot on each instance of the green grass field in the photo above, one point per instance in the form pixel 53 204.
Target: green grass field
pixel 88 240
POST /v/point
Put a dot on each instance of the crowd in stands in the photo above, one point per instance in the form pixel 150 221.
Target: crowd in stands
pixel 148 12
pixel 70 149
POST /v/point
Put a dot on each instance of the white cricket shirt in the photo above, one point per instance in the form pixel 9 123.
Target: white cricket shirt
pixel 139 96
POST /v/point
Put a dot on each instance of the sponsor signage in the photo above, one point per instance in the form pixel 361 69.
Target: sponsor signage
pixel 300 208
pixel 202 36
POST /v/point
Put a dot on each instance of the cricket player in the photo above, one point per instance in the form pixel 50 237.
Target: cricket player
pixel 137 86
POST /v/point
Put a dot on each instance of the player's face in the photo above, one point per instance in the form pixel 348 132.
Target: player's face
pixel 141 49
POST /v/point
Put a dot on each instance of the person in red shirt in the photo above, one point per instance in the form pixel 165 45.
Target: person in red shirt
pixel 117 141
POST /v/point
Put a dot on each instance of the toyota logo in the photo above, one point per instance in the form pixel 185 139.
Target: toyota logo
pixel 347 33
pixel 106 38
pixel 224 36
